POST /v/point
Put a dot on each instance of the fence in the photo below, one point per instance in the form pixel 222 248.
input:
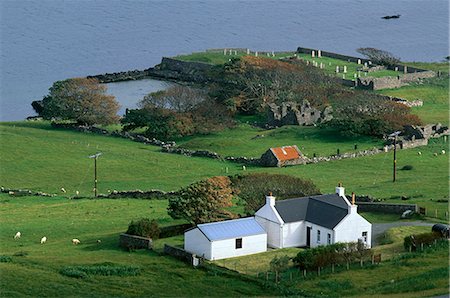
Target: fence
pixel 435 213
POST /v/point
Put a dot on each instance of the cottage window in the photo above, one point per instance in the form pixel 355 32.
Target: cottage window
pixel 364 235
pixel 329 238
pixel 238 243
pixel 318 236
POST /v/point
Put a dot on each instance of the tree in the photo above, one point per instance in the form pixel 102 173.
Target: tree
pixel 379 56
pixel 161 123
pixel 82 100
pixel 253 188
pixel 176 98
pixel 203 201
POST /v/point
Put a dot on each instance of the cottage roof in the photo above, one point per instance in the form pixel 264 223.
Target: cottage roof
pixel 286 152
pixel 228 229
pixel 323 210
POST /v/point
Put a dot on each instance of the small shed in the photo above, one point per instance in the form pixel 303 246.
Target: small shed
pixel 282 156
pixel 226 239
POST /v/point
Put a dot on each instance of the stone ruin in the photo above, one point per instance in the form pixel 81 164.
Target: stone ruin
pixel 293 113
pixel 413 132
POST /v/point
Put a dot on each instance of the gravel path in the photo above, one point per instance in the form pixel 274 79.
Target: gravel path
pixel 379 228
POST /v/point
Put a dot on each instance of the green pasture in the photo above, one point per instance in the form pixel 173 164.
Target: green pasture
pixel 329 66
pixel 435 95
pixel 220 58
pixel 34 269
pixel 249 141
pixel 435 66
pixel 35 156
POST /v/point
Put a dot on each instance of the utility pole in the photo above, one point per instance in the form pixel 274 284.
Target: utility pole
pixel 95 156
pixel 394 135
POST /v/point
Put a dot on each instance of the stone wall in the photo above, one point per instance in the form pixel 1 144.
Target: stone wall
pixel 153 194
pixel 180 254
pixel 385 207
pixel 292 113
pixel 372 83
pixel 332 55
pixel 17 192
pixel 131 242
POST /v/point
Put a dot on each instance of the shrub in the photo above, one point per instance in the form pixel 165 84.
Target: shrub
pixel 338 253
pixel 415 241
pixel 144 228
pixel 407 168
pixel 104 269
pixel 5 259
pixel 253 188
pixel 278 264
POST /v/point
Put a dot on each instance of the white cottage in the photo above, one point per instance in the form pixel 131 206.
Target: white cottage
pixel 313 221
pixel 226 239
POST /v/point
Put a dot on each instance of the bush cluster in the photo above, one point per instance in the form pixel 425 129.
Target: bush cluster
pixel 104 269
pixel 144 227
pixel 416 240
pixel 338 253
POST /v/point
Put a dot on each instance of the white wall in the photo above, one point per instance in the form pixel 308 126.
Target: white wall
pixel 196 242
pixel 273 231
pixel 294 234
pixel 323 235
pixel 351 227
pixel 223 249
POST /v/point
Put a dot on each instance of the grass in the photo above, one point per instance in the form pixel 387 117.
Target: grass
pixel 435 66
pixel 246 140
pixel 37 157
pixel 256 263
pixel 35 268
pixel 220 58
pixel 352 68
pixel 435 96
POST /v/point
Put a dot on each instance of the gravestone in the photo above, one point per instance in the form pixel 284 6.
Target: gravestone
pixel 256 54
pixel 337 69
pixel 359 61
pixel 248 51
pixel 313 54
pixel 345 68
pixel 224 51
pixel 319 54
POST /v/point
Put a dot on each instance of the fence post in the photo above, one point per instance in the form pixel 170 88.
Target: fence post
pixel 267 275
pixel 421 246
pixel 290 276
pixel 332 268
pixel 276 276
pixel 348 266
pixel 304 273
pixel 318 271
pixel 435 213
pixel 373 259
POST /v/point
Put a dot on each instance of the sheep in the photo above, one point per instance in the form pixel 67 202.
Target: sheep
pixel 419 153
pixel 244 168
pixel 63 190
pixel 43 240
pixel 443 152
pixel 435 154
pixel 75 241
pixel 77 193
pixel 17 236
pixel 99 241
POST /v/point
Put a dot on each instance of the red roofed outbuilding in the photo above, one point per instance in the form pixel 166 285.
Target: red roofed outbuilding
pixel 282 156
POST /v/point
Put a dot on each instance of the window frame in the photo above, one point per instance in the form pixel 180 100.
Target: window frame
pixel 318 236
pixel 238 243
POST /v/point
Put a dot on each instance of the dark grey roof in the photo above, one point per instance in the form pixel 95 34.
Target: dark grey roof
pixel 324 210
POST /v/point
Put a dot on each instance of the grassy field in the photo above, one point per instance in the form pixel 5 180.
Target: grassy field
pixel 435 96
pixel 220 58
pixel 246 140
pixel 34 270
pixel 352 68
pixel 36 157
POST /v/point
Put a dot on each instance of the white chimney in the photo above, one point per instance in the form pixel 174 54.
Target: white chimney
pixel 340 190
pixel 270 200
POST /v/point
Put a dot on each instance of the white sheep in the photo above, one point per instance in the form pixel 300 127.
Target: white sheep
pixel 63 190
pixel 419 153
pixel 244 168
pixel 43 240
pixel 443 152
pixel 75 241
pixel 435 154
pixel 77 193
pixel 17 236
